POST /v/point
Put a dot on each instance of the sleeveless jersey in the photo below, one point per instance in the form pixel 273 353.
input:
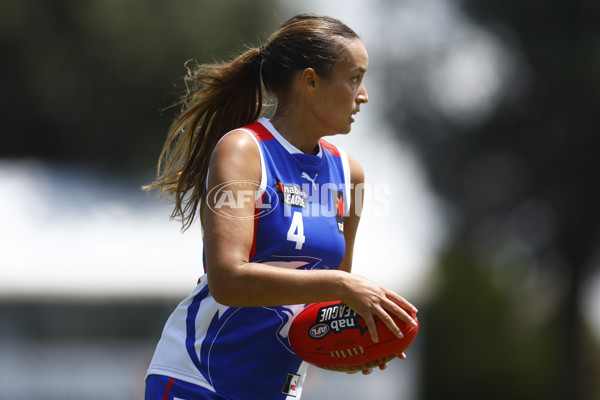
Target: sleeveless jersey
pixel 243 352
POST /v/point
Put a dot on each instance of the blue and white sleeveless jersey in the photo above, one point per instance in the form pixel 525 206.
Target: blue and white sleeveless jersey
pixel 243 352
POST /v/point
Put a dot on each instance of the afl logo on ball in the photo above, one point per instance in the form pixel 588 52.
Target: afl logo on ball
pixel 319 331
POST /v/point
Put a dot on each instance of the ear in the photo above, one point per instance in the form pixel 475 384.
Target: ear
pixel 308 78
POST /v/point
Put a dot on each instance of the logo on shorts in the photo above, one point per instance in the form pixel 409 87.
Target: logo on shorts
pixel 291 385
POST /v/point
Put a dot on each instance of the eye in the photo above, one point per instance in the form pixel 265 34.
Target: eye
pixel 355 79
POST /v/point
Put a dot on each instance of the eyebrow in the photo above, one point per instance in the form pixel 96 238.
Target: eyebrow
pixel 359 69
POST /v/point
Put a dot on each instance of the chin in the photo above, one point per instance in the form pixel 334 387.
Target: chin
pixel 339 130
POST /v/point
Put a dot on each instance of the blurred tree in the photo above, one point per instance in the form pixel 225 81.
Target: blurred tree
pixel 85 81
pixel 481 339
pixel 523 189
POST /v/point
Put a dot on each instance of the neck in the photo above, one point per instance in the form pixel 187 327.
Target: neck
pixel 298 132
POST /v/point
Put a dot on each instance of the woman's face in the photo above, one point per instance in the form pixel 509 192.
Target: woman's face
pixel 339 96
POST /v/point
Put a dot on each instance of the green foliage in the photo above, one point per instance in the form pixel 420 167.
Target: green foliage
pixel 87 80
pixel 484 341
pixel 522 181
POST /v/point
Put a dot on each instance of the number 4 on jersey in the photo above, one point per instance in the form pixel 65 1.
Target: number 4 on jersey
pixel 296 231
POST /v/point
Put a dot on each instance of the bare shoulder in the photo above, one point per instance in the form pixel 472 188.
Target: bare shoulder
pixel 357 174
pixel 236 141
pixel 236 156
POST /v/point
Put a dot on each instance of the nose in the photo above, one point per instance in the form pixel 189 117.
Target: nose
pixel 362 96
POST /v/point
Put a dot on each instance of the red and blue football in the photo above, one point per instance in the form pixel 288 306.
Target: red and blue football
pixel 332 336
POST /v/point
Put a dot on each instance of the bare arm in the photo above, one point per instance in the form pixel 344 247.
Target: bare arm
pixel 235 281
pixel 357 179
pixel 232 279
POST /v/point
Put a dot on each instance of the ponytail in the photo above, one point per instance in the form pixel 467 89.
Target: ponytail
pixel 223 97
pixel 218 99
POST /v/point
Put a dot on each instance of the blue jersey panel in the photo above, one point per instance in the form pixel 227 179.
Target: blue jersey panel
pixel 244 352
pixel 306 197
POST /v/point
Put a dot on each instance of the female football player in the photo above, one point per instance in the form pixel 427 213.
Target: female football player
pixel 279 209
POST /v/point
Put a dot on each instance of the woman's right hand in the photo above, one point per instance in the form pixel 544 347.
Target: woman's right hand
pixel 370 299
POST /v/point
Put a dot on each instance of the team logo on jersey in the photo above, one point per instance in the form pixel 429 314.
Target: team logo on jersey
pixel 308 178
pixel 340 208
pixel 293 195
pixel 291 385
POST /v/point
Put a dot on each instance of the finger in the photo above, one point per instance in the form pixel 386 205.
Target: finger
pixel 383 366
pixel 401 301
pixel 372 329
pixel 387 319
pixel 367 371
pixel 401 313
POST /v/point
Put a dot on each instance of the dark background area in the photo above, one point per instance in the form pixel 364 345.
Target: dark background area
pixel 524 191
pixel 88 81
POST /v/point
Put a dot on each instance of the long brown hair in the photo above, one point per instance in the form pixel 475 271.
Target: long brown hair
pixel 225 96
